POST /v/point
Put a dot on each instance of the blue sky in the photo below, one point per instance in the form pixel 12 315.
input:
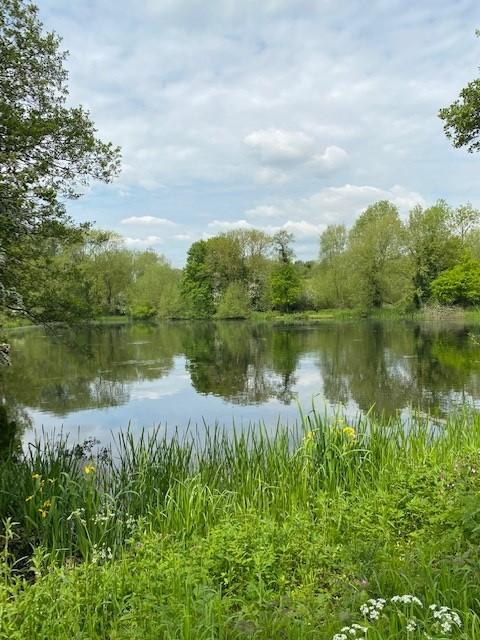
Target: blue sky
pixel 275 114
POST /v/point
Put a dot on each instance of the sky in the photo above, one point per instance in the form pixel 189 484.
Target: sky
pixel 273 114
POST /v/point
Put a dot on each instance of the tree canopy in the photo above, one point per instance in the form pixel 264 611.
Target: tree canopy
pixel 461 119
pixel 48 152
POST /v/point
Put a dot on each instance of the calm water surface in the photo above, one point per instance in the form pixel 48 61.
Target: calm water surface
pixel 95 381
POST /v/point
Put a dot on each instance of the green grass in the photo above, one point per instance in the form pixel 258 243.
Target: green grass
pixel 246 535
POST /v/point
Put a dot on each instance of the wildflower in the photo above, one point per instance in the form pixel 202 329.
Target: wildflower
pixel 103 553
pixel 372 608
pixel 411 625
pixel 407 599
pixel 43 512
pixel 350 633
pixel 29 498
pixel 52 480
pixel 36 476
pixel 88 468
pixel 445 618
pixel 47 504
pixel 349 432
pixel 309 436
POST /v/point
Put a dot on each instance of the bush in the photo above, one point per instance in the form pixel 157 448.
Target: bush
pixel 234 302
pixel 459 285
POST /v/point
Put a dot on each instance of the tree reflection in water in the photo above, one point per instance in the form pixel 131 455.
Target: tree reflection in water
pixel 393 365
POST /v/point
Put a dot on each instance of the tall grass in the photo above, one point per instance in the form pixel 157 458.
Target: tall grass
pixel 68 498
pixel 317 515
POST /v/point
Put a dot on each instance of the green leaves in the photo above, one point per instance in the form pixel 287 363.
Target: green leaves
pixel 48 151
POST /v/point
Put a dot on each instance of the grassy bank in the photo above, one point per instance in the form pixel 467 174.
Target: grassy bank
pixel 254 536
pixel 470 315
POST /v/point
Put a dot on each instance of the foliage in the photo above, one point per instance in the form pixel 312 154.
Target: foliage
pixel 234 303
pixel 47 152
pixel 154 292
pixel 459 285
pixel 281 535
pixel 197 287
pixel 284 286
pixel 461 119
pixel 432 247
pixel 374 254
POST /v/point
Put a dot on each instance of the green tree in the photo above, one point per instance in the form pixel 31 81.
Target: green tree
pixel 155 289
pixel 461 119
pixel 284 279
pixel 374 255
pixel 281 243
pixel 112 270
pixel 48 151
pixel 432 247
pixel 224 263
pixel 459 285
pixel 330 281
pixel 255 246
pixel 464 220
pixel 234 303
pixel 196 286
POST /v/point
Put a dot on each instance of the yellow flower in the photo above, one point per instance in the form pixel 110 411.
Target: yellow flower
pixel 309 436
pixel 43 512
pixel 36 476
pixel 47 504
pixel 89 468
pixel 29 498
pixel 350 432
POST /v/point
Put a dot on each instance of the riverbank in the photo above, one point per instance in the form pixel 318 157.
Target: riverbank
pixel 265 536
pixel 470 315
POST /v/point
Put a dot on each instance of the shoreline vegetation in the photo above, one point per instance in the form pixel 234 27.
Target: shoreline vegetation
pixel 290 533
pixel 428 313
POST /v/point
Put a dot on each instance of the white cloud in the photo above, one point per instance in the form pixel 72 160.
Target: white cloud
pixel 223 107
pixel 149 241
pixel 267 175
pixel 332 157
pixel 221 226
pixel 278 146
pixel 308 217
pixel 263 211
pixel 148 220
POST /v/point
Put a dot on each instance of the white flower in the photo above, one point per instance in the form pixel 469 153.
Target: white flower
pixel 407 599
pixel 411 625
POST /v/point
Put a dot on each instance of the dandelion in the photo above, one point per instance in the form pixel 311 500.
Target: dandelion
pixel 88 469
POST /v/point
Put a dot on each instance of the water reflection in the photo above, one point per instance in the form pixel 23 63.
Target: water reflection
pixel 179 371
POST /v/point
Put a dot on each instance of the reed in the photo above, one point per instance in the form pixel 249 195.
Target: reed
pixel 243 533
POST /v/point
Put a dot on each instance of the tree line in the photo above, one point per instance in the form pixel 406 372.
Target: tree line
pixel 381 261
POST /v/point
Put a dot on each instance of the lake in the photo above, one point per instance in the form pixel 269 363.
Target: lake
pixel 94 381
